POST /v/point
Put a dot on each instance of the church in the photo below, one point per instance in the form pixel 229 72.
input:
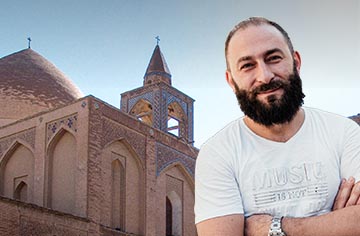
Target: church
pixel 75 165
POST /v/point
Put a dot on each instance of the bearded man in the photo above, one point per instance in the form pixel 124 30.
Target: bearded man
pixel 282 169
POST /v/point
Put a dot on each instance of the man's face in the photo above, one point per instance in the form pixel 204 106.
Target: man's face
pixel 264 73
pixel 275 110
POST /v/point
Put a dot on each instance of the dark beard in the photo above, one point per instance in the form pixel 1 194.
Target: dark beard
pixel 277 111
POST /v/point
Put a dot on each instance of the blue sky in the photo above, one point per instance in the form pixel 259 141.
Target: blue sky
pixel 105 46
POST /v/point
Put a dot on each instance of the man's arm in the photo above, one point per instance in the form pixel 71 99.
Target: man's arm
pixel 230 225
pixel 218 203
pixel 343 220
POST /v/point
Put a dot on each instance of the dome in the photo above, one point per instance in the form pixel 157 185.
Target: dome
pixel 30 84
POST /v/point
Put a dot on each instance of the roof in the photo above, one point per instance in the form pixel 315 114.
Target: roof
pixel 157 68
pixel 29 84
pixel 356 118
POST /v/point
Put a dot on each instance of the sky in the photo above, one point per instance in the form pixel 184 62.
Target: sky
pixel 104 47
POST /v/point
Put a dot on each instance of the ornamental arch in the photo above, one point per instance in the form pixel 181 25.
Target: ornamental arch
pixel 60 178
pixel 177 201
pixel 123 188
pixel 17 172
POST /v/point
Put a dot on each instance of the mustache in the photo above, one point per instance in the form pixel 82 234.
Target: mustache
pixel 272 85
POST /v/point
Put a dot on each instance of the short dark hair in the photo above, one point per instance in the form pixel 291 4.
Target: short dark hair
pixel 255 21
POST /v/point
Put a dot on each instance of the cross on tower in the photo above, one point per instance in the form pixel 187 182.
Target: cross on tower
pixel 29 39
pixel 157 40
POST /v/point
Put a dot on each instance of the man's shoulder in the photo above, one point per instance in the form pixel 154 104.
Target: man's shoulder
pixel 221 150
pixel 325 116
pixel 332 123
pixel 229 131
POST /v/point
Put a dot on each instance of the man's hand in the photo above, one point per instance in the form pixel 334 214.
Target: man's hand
pixel 257 225
pixel 348 194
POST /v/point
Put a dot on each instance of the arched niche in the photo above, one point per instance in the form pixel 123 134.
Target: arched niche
pixel 21 192
pixel 118 195
pixel 61 169
pixel 175 215
pixel 16 167
pixel 177 185
pixel 123 182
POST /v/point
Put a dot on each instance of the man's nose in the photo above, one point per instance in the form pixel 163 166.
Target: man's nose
pixel 265 74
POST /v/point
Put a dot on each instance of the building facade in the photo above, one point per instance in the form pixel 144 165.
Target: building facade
pixel 74 165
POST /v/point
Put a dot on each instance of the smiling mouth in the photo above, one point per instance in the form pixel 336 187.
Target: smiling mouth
pixel 269 90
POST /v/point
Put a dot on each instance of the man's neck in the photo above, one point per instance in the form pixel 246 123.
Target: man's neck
pixel 280 132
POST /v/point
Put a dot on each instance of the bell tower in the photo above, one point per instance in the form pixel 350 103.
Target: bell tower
pixel 158 104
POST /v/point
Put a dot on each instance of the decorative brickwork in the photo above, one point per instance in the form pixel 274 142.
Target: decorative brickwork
pixel 163 114
pixel 147 96
pixel 27 135
pixel 174 184
pixel 170 98
pixel 114 131
pixel 191 122
pixel 167 155
pixel 68 121
pixel 157 110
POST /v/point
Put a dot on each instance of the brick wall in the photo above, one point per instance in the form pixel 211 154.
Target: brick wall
pixel 18 218
pixel 96 127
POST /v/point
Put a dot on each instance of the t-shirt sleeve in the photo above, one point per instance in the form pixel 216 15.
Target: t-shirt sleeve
pixel 216 188
pixel 350 159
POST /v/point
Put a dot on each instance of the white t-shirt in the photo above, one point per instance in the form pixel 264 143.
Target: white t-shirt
pixel 238 172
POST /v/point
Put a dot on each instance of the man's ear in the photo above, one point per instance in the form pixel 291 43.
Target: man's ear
pixel 230 80
pixel 297 60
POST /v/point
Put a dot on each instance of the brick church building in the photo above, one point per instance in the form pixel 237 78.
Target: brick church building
pixel 74 165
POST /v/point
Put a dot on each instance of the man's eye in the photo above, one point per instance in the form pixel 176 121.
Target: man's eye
pixel 246 66
pixel 274 58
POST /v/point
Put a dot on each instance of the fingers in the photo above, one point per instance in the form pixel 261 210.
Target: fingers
pixel 344 193
pixel 354 197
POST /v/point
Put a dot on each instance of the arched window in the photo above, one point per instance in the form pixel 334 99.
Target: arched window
pixel 117 195
pixel 173 126
pixel 176 120
pixel 21 192
pixel 176 214
pixel 168 217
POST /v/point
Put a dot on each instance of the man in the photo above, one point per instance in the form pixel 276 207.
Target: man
pixel 277 170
